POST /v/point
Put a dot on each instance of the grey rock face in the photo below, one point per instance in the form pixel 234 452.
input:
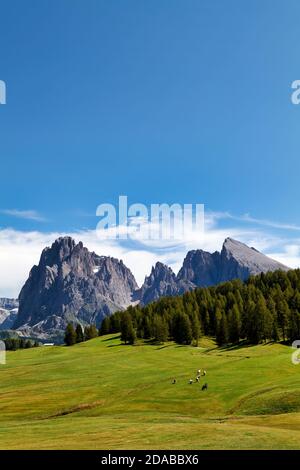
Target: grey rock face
pixel 161 282
pixel 8 304
pixel 236 261
pixel 202 269
pixel 73 284
pixel 8 313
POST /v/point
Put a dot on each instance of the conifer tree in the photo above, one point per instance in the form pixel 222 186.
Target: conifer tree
pixel 294 325
pixel 196 328
pixel 182 329
pixel 79 334
pixel 283 313
pixel 70 335
pixel 160 329
pixel 127 330
pixel 222 336
pixel 234 324
pixel 105 327
pixel 90 332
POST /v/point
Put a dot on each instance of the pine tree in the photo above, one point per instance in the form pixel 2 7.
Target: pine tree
pixel 260 322
pixel 105 328
pixel 196 328
pixel 294 325
pixel 127 330
pixel 160 329
pixel 70 335
pixel 79 334
pixel 283 312
pixel 234 324
pixel 90 332
pixel 222 336
pixel 147 328
pixel 115 325
pixel 182 329
pixel 131 335
pixel 272 309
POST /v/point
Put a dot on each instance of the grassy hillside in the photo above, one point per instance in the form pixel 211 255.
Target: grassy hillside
pixel 104 395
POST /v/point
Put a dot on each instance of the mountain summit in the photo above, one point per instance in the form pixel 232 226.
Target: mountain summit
pixel 202 269
pixel 235 261
pixel 240 261
pixel 161 282
pixel 71 283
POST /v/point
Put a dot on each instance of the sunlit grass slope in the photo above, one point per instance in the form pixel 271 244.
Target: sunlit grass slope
pixel 104 395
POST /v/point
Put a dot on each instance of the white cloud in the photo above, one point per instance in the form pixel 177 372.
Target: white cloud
pixel 19 251
pixel 215 216
pixel 21 214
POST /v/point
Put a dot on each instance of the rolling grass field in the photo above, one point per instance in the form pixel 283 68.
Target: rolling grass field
pixel 104 395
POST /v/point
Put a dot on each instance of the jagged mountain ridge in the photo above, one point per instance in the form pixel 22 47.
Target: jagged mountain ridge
pixel 236 260
pixel 161 282
pixel 71 283
pixel 202 269
pixel 8 313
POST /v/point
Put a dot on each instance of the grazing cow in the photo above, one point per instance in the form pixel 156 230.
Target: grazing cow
pixel 191 381
pixel 174 381
pixel 204 372
pixel 199 372
pixel 205 387
pixel 197 378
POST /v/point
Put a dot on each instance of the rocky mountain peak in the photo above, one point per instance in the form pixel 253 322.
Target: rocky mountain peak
pixel 200 268
pixel 236 247
pixel 71 283
pixel 8 313
pixel 60 250
pixel 161 272
pixel 242 261
pixel 161 282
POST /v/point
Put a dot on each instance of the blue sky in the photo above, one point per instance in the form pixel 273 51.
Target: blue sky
pixel 182 101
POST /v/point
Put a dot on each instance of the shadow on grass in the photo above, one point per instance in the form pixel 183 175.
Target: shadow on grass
pixel 236 346
pixel 152 342
pixel 229 347
pixel 243 345
pixel 118 336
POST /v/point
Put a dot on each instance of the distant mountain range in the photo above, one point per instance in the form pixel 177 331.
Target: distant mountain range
pixel 202 269
pixel 71 283
pixel 8 313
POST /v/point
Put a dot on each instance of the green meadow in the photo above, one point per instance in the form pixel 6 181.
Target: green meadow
pixel 105 395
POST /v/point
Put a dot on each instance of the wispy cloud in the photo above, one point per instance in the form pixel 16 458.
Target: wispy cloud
pixel 247 218
pixel 20 250
pixel 24 214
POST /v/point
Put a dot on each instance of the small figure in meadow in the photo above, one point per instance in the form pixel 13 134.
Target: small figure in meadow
pixel 191 381
pixel 205 387
pixel 174 381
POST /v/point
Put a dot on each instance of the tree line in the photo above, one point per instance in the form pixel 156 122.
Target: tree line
pixel 78 334
pixel 265 307
pixel 12 344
